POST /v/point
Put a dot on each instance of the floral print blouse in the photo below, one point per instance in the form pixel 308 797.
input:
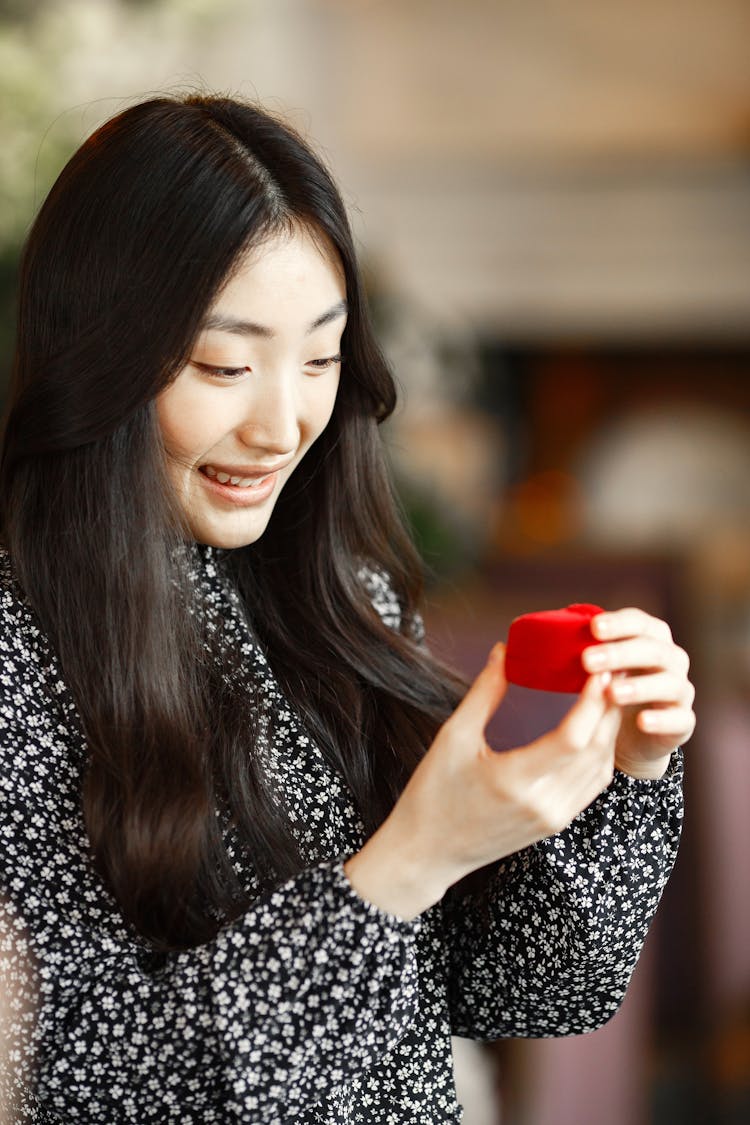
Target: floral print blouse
pixel 315 1006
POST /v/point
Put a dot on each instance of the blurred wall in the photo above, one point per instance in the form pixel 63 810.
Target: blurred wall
pixel 547 168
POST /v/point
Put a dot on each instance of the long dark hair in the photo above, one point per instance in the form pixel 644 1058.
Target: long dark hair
pixel 136 237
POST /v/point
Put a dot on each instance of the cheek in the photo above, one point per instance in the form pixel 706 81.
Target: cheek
pixel 187 422
pixel 321 406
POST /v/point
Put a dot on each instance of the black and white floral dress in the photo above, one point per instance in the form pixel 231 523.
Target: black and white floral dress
pixel 315 1005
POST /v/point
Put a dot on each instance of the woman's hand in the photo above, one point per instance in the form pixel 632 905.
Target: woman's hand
pixel 650 682
pixel 467 805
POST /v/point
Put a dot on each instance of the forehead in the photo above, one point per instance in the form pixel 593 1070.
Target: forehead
pixel 300 266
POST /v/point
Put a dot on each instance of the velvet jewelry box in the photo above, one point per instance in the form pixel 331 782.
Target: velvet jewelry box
pixel 544 648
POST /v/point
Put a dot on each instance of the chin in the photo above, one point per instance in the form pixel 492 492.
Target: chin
pixel 226 538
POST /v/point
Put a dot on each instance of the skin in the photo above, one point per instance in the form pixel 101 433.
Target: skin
pixel 465 805
pixel 275 409
pixel 650 682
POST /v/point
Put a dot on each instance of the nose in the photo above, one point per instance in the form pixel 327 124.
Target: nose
pixel 270 421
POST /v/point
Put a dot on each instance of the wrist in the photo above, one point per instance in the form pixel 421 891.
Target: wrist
pixel 642 768
pixel 389 872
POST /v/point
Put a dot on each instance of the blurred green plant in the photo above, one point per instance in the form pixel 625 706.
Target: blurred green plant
pixel 56 58
pixel 28 166
pixel 21 10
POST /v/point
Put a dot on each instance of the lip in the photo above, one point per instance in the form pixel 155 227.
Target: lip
pixel 241 497
pixel 245 470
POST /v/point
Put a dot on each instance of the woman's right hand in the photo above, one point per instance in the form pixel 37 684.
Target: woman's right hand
pixel 467 805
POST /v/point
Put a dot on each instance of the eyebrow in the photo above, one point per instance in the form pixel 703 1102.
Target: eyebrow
pixel 219 322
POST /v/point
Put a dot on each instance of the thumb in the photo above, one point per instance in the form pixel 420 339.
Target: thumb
pixel 485 694
pixel 587 712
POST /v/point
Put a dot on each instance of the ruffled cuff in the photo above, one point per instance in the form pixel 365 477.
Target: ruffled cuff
pixel 670 780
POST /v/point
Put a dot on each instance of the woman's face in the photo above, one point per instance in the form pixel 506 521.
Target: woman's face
pixel 260 387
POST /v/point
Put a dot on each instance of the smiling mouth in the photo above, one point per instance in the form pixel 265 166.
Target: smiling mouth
pixel 233 482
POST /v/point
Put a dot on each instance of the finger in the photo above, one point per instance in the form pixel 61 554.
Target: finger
pixel 672 722
pixel 596 762
pixel 485 694
pixel 630 622
pixel 582 719
pixel 605 735
pixel 663 687
pixel 578 778
pixel 634 653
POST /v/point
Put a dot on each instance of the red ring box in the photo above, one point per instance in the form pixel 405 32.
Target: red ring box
pixel 544 649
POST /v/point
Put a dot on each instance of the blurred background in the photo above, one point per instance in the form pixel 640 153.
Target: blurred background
pixel 551 200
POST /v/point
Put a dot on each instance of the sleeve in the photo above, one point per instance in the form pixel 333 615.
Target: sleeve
pixel 378 585
pixel 549 947
pixel 310 986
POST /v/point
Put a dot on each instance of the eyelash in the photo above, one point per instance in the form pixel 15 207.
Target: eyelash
pixel 235 372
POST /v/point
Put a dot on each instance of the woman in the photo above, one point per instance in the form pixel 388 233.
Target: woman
pixel 241 799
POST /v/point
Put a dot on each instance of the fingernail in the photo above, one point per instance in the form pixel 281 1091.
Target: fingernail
pixel 605 678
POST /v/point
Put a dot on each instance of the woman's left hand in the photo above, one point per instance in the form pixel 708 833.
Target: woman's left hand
pixel 650 682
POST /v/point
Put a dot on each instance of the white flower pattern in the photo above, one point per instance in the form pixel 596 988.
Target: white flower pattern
pixel 314 1006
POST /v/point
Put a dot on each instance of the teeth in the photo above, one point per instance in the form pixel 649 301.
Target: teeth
pixel 240 482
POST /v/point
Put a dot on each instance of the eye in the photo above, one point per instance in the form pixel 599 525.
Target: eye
pixel 221 372
pixel 322 364
pixel 235 372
